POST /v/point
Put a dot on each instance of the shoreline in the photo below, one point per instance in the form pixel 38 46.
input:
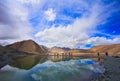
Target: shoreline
pixel 112 72
pixel 112 68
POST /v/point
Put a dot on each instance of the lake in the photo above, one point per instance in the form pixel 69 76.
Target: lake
pixel 51 68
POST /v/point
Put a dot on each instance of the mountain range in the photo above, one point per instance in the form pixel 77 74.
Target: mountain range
pixel 30 46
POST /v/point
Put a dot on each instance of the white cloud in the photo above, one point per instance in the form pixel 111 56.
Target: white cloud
pixel 13 22
pixel 50 14
pixel 16 15
pixel 29 1
pixel 72 34
pixel 102 40
pixel 79 32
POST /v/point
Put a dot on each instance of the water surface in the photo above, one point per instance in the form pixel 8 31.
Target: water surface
pixel 55 68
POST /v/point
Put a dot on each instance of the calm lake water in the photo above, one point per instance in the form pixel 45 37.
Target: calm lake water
pixel 50 68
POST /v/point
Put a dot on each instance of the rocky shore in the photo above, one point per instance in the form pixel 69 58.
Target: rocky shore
pixel 112 66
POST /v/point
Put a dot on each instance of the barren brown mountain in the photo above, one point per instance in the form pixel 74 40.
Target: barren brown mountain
pixel 56 50
pixel 29 46
pixel 80 51
pixel 60 50
pixel 113 50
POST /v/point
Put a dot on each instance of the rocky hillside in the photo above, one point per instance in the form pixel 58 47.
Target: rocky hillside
pixel 28 46
pixel 56 50
pixel 113 50
pixel 80 51
pixel 60 50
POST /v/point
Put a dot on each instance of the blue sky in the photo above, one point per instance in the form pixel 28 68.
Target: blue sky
pixel 63 23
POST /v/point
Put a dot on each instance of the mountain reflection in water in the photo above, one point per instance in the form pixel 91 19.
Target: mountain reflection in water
pixel 41 68
pixel 28 62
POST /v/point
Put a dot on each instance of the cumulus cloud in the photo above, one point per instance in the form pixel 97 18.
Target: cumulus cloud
pixel 102 41
pixel 13 22
pixel 79 32
pixel 66 36
pixel 63 23
pixel 50 14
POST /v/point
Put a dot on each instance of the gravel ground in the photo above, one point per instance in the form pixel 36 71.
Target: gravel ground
pixel 112 66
